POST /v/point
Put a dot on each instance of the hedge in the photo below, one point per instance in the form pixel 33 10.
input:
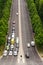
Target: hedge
pixel 39 6
pixel 4 21
pixel 36 23
pixel 41 9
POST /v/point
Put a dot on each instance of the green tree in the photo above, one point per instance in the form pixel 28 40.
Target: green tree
pixel 41 9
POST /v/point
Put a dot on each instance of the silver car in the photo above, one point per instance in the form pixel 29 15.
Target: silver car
pixel 32 43
pixel 13 22
pixel 17 42
pixel 17 13
pixel 17 49
pixel 12 46
pixel 9 38
pixel 10 53
pixel 28 45
pixel 13 29
pixel 15 53
pixel 5 53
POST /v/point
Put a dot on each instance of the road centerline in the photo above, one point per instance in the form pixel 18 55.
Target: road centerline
pixel 21 52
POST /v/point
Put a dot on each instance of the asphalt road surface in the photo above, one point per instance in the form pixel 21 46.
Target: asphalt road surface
pixel 23 29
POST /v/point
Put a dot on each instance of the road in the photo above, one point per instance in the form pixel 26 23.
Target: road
pixel 23 29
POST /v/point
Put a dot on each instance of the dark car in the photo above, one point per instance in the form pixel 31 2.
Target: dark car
pixel 27 55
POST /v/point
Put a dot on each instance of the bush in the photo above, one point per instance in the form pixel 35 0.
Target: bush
pixel 36 23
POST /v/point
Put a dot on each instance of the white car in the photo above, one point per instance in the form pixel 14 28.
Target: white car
pixel 5 53
pixel 32 43
pixel 10 53
pixel 9 39
pixel 13 28
pixel 12 46
pixel 28 45
pixel 17 45
pixel 15 53
pixel 17 49
pixel 13 35
pixel 8 44
pixel 7 47
pixel 13 22
pixel 17 40
pixel 17 13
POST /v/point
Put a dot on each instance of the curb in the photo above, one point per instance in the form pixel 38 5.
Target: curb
pixel 1 57
pixel 39 54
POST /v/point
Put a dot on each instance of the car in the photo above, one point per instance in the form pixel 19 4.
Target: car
pixel 13 22
pixel 5 53
pixel 13 35
pixel 9 38
pixel 17 40
pixel 32 43
pixel 17 13
pixel 17 49
pixel 27 55
pixel 10 53
pixel 17 45
pixel 28 45
pixel 12 46
pixel 13 25
pixel 13 29
pixel 8 44
pixel 12 41
pixel 15 53
pixel 7 47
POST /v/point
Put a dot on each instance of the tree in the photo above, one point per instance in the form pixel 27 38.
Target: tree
pixel 41 9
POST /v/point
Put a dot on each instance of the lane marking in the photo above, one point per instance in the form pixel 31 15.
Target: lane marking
pixel 21 52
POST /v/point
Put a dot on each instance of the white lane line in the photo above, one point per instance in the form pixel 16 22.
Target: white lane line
pixel 21 52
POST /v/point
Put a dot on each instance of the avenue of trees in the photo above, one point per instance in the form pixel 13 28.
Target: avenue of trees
pixel 5 6
pixel 39 6
pixel 36 21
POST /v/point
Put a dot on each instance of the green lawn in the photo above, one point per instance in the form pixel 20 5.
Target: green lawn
pixel 40 52
pixel 1 50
